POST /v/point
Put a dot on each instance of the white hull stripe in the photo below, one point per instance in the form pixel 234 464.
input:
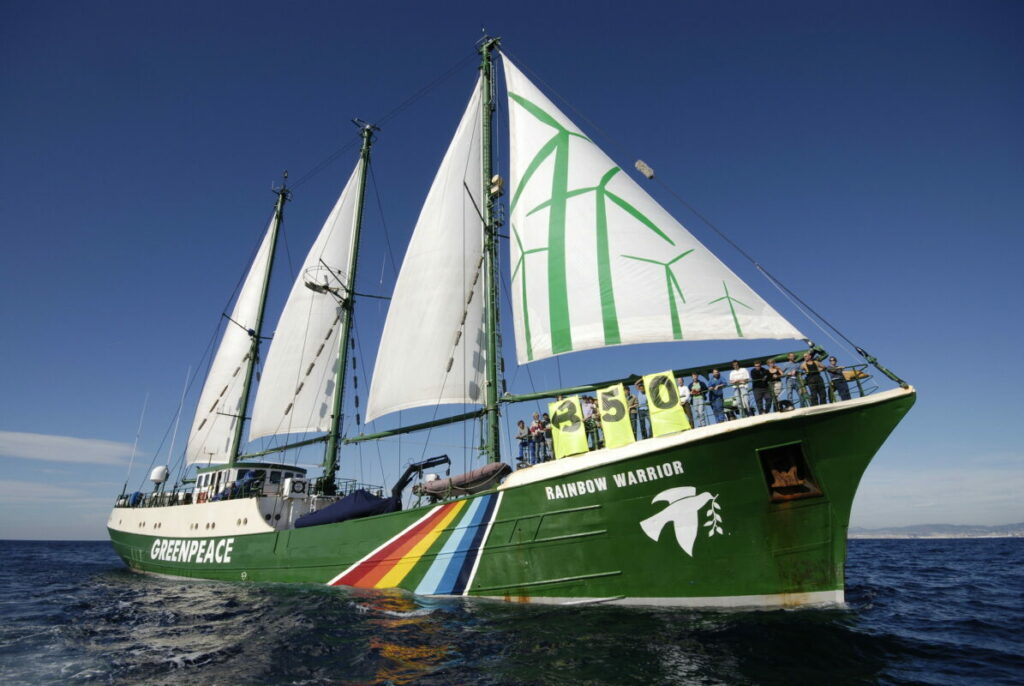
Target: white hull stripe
pixel 765 601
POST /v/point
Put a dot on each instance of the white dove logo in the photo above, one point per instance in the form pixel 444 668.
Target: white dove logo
pixel 684 504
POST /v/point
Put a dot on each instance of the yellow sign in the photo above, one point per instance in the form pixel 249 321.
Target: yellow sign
pixel 567 431
pixel 611 404
pixel 667 415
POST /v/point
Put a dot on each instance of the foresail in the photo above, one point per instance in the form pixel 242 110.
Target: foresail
pixel 595 261
pixel 297 385
pixel 218 411
pixel 431 351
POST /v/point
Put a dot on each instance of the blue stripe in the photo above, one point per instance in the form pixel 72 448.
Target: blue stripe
pixel 486 515
pixel 453 552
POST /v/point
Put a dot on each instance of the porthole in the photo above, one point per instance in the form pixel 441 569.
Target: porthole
pixel 267 516
pixel 277 517
pixel 238 522
pixel 245 520
pixel 213 525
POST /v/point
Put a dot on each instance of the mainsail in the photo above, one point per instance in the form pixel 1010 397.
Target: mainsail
pixel 219 408
pixel 297 384
pixel 596 261
pixel 431 351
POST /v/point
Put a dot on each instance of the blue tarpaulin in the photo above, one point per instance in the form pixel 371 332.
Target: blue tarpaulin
pixel 357 504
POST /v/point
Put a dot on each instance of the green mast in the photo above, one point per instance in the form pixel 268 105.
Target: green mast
pixel 283 196
pixel 492 438
pixel 347 305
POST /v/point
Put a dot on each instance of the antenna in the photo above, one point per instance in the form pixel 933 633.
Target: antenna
pixel 177 418
pixel 138 432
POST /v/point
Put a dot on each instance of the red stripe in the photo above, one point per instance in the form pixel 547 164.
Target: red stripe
pixel 373 570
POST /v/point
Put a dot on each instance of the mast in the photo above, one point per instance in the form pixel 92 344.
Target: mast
pixel 492 442
pixel 283 195
pixel 347 305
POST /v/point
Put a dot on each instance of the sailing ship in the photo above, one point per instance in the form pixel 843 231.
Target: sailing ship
pixel 751 512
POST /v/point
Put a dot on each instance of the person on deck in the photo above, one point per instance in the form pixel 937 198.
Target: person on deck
pixel 591 422
pixel 760 379
pixel 790 380
pixel 698 399
pixel 525 441
pixel 838 377
pixel 776 384
pixel 643 417
pixel 716 395
pixel 633 406
pixel 739 377
pixel 539 448
pixel 545 420
pixel 684 399
pixel 812 370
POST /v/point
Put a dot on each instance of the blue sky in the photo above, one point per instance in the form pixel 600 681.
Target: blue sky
pixel 870 155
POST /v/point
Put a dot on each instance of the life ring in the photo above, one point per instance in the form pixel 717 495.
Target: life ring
pixel 201 497
pixel 298 486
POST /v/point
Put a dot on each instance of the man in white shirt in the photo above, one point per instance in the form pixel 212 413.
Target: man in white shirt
pixel 684 399
pixel 739 379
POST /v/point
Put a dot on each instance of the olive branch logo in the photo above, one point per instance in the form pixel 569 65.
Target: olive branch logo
pixel 715 518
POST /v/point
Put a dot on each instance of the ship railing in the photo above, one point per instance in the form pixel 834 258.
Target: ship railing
pixel 740 400
pixel 349 486
pixel 790 393
pixel 256 489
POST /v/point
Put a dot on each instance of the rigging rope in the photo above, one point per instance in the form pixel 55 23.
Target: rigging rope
pixel 380 121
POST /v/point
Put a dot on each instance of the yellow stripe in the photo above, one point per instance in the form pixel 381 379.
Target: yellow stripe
pixel 405 565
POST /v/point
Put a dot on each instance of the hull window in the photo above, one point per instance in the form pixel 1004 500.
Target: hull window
pixel 786 473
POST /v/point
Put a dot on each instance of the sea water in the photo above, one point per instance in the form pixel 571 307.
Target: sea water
pixel 918 611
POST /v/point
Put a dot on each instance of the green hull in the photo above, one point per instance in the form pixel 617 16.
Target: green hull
pixel 697 519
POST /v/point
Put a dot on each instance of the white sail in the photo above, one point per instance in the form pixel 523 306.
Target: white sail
pixel 432 351
pixel 596 261
pixel 219 409
pixel 297 385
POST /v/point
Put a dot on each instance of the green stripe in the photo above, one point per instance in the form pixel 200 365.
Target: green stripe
pixel 604 266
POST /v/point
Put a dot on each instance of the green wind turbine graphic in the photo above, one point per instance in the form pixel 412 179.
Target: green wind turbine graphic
pixel 558 287
pixel 732 310
pixel 672 284
pixel 557 205
pixel 521 265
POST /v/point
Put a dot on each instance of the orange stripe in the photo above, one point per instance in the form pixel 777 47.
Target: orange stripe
pixel 373 570
pixel 406 564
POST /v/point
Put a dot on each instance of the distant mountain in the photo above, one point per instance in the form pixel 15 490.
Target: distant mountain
pixel 941 531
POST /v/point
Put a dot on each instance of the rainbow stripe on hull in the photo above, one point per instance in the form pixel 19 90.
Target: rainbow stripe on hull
pixel 464 523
